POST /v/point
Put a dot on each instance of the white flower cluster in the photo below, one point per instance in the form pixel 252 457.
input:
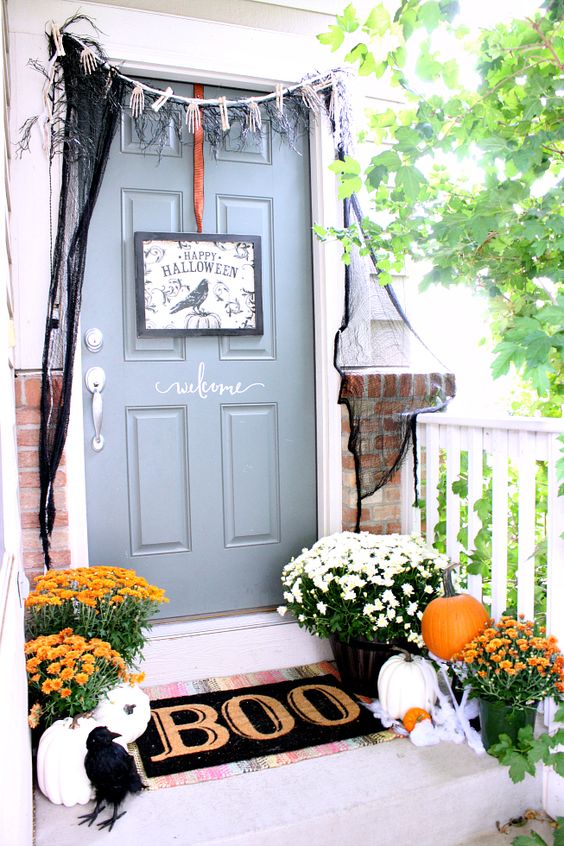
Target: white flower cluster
pixel 363 585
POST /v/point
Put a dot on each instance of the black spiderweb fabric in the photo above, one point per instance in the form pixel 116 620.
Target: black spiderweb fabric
pixel 91 110
pixel 382 401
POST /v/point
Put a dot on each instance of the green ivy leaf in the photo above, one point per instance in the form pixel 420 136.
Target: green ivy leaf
pixel 429 14
pixel 427 67
pixel 388 159
pixel 333 39
pixel 348 165
pixel 506 352
pixel 378 21
pixel 348 21
pixel 350 185
pixel 557 762
pixel 320 231
pixel 450 73
pixel 357 53
pixel 532 839
pixel 410 180
pixel 376 175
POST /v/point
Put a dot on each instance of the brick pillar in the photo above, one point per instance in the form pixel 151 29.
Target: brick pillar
pixel 381 394
pixel 28 391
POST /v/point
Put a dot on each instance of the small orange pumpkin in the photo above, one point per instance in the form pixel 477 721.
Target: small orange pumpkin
pixel 414 716
pixel 451 621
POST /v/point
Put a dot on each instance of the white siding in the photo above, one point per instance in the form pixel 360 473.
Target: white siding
pixel 15 774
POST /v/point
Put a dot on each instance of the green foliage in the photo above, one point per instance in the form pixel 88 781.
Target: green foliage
pixel 522 758
pixel 471 179
pixel 534 839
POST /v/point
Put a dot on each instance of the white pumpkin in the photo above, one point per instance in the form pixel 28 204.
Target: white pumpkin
pixel 60 761
pixel 125 709
pixel 406 681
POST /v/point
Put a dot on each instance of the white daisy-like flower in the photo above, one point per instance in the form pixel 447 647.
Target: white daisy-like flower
pixel 407 589
pixel 321 607
pixel 281 610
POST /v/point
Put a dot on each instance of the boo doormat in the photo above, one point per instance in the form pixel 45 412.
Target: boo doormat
pixel 214 728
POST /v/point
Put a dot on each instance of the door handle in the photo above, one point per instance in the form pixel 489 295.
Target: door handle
pixel 95 379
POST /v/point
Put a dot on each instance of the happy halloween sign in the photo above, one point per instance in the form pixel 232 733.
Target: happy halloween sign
pixel 197 284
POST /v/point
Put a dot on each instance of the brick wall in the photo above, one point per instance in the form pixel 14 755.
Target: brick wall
pixel 381 392
pixel 28 388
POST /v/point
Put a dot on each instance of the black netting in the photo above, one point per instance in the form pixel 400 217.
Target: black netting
pixel 91 110
pixel 377 351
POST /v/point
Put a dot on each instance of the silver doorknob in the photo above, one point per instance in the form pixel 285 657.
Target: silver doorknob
pixel 95 379
pixel 93 340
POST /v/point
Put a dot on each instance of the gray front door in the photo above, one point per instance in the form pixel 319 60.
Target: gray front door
pixel 205 493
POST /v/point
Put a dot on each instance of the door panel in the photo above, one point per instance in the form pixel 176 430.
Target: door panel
pixel 251 215
pixel 251 474
pixel 161 433
pixel 206 482
pixel 163 209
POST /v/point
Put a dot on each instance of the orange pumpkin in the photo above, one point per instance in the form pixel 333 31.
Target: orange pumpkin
pixel 449 622
pixel 414 716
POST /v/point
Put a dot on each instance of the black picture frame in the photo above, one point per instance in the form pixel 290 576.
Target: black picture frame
pixel 188 284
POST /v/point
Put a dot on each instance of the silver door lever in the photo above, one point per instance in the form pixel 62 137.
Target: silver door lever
pixel 95 379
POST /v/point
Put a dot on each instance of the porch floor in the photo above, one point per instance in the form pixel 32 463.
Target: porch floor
pixel 393 794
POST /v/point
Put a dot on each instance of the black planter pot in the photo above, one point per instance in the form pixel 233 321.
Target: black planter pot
pixel 359 663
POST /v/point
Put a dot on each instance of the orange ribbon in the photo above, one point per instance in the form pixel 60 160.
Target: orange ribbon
pixel 199 163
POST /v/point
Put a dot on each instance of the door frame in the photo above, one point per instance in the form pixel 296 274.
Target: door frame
pixel 328 294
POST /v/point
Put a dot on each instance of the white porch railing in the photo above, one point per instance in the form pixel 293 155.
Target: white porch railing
pixel 519 442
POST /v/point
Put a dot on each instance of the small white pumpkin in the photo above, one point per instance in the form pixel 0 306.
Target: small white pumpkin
pixel 406 681
pixel 60 761
pixel 126 709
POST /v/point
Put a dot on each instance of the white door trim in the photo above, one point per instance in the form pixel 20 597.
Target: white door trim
pixel 328 295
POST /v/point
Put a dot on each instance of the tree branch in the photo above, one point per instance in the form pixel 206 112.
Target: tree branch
pixel 546 43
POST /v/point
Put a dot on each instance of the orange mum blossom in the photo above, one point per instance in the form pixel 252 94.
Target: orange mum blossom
pixel 84 672
pixel 512 661
pixel 111 603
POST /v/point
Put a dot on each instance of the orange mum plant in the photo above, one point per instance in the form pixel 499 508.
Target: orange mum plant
pixel 110 603
pixel 68 675
pixel 513 661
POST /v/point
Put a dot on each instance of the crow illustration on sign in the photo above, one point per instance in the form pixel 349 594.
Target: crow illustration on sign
pixel 193 284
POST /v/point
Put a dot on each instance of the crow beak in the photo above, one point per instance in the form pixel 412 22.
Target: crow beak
pixel 114 734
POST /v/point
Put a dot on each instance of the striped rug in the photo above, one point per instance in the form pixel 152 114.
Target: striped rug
pixel 227 743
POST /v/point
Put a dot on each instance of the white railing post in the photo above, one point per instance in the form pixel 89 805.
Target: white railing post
pixel 526 465
pixel 452 499
pixel 475 489
pixel 500 515
pixel 553 785
pixel 432 459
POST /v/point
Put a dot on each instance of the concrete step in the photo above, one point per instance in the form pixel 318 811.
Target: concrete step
pixel 393 794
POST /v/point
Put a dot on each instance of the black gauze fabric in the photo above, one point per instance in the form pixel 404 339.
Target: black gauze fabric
pixel 91 104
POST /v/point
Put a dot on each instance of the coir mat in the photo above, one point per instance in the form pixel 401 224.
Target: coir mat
pixel 219 727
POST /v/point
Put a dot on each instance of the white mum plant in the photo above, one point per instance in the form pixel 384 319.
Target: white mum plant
pixel 363 586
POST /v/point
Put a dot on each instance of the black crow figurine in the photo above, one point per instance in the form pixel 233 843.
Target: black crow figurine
pixel 111 769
